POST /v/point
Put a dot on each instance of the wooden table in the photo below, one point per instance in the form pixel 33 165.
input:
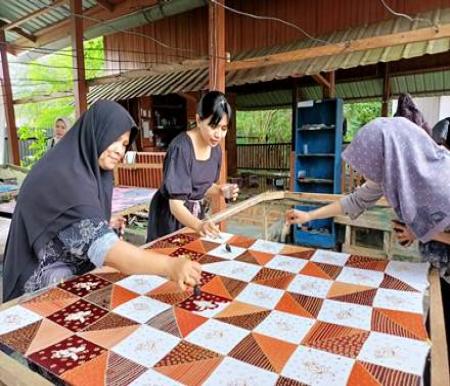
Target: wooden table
pixel 13 373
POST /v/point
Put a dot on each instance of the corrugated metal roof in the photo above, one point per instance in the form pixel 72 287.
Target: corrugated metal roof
pixel 348 60
pixel 367 89
pixel 173 82
pixel 14 10
pixel 426 84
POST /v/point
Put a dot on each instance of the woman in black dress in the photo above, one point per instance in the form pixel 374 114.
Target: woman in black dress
pixel 191 168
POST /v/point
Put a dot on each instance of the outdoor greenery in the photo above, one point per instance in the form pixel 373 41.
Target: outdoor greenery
pixel 53 73
pixel 274 126
pixel 45 76
pixel 268 126
pixel 358 114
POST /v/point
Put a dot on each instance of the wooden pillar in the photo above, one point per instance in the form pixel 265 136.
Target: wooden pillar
pixel 329 91
pixel 295 98
pixel 386 90
pixel 216 30
pixel 79 78
pixel 230 140
pixel 14 155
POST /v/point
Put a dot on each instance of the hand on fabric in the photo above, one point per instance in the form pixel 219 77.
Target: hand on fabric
pixel 404 234
pixel 294 216
pixel 208 228
pixel 184 272
pixel 119 223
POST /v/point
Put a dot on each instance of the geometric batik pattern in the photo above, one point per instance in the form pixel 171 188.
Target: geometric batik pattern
pixel 266 313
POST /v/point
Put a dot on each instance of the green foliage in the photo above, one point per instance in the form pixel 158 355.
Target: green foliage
pixel 267 126
pixel 39 145
pixel 358 114
pixel 274 126
pixel 46 76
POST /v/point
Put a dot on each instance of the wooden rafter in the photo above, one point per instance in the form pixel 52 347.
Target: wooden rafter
pixel 106 4
pixel 43 98
pixel 320 79
pixel 34 14
pixel 19 31
pixel 60 30
pixel 374 42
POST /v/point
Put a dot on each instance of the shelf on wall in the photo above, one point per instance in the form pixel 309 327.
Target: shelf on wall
pixel 316 128
pixel 314 181
pixel 317 155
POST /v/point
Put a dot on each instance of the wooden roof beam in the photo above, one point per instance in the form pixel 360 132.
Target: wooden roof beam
pixel 43 98
pixel 19 31
pixel 374 42
pixel 320 79
pixel 34 14
pixel 106 4
pixel 61 29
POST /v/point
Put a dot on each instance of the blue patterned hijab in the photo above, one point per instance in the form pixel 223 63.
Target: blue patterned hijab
pixel 412 169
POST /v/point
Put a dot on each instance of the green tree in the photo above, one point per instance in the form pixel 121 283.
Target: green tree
pixel 266 126
pixel 358 114
pixel 46 76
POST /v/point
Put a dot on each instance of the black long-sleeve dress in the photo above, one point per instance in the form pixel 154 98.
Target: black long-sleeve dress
pixel 184 178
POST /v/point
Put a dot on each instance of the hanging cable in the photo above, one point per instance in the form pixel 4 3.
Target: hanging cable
pixel 404 15
pixel 271 18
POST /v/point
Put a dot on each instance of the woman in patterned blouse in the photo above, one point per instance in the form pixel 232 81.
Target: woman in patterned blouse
pixel 60 224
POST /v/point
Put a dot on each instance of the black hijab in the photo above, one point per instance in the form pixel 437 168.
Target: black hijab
pixel 65 186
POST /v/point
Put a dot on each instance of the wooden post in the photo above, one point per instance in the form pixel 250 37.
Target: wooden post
pixel 440 372
pixel 216 28
pixel 330 90
pixel 230 140
pixel 386 90
pixel 79 78
pixel 5 80
pixel 295 97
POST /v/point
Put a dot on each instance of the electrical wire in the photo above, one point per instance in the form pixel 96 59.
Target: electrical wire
pixel 404 15
pixel 271 18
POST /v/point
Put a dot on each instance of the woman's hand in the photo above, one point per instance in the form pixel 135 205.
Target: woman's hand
pixel 208 228
pixel 294 216
pixel 403 234
pixel 119 223
pixel 229 191
pixel 184 272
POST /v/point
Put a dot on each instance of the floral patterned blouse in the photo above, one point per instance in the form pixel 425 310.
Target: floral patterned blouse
pixel 75 250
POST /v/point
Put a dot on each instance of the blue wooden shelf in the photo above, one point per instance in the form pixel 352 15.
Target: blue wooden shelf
pixel 318 145
pixel 314 181
pixel 317 155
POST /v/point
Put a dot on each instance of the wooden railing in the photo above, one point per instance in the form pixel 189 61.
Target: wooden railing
pixel 146 172
pixel 264 156
pixel 350 179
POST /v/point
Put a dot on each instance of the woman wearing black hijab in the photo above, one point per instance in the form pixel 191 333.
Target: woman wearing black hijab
pixel 60 224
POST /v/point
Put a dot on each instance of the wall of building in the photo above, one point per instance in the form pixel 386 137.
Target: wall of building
pixel 190 30
pixel 433 108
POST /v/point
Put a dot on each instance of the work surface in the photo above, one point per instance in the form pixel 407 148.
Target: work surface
pixel 123 198
pixel 267 314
